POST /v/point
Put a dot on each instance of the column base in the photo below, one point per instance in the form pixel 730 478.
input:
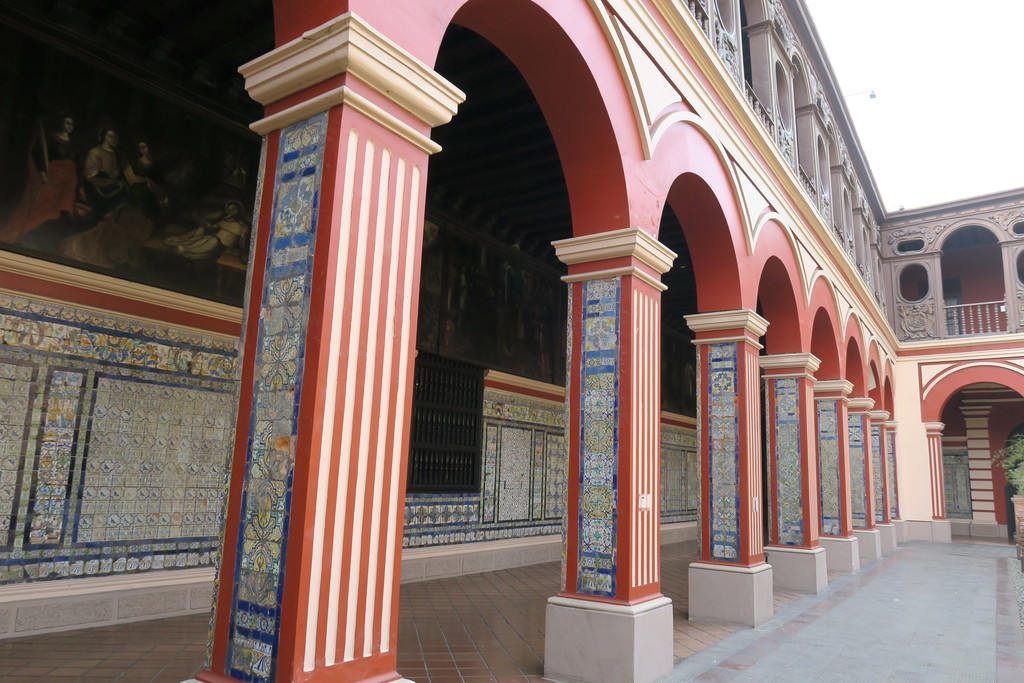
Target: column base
pixel 739 595
pixel 602 643
pixel 935 530
pixel 841 553
pixel 887 533
pixel 901 530
pixel 798 569
pixel 870 544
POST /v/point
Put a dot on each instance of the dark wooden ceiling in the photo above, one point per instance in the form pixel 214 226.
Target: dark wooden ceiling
pixel 499 170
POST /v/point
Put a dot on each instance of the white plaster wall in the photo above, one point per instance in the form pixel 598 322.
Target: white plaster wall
pixel 912 468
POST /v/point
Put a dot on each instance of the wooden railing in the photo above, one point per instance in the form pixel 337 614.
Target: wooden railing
pixel 973 319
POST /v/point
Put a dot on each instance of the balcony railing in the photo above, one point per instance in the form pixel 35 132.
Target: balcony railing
pixel 975 319
pixel 700 13
pixel 759 109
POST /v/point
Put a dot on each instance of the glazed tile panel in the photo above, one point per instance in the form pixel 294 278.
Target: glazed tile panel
pixel 890 456
pixel 877 473
pixel 680 474
pixel 828 474
pixel 280 353
pixel 858 484
pixel 787 459
pixel 723 456
pixel 599 397
pixel 114 443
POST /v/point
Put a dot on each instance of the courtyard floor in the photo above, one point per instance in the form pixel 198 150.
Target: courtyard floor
pixel 927 612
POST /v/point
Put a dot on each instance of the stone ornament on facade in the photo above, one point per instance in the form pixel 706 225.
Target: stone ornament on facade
pixel 917 320
pixel 726 46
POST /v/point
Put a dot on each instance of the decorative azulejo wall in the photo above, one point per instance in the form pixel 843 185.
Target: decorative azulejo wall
pixel 599 437
pixel 877 473
pixel 280 355
pixel 788 468
pixel 828 473
pixel 723 455
pixel 680 474
pixel 114 443
pixel 890 457
pixel 858 471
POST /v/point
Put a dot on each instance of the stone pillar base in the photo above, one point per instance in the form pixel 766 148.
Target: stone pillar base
pixel 870 543
pixel 887 532
pixel 841 553
pixel 798 569
pixel 739 595
pixel 901 530
pixel 935 530
pixel 603 643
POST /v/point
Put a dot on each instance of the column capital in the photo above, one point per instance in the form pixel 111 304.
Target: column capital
pixel 891 425
pixel 790 364
pixel 976 411
pixel 637 250
pixel 347 45
pixel 860 404
pixel 833 388
pixel 743 321
pixel 934 428
pixel 879 415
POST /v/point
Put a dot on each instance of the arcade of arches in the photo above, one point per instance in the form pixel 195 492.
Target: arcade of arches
pixel 523 280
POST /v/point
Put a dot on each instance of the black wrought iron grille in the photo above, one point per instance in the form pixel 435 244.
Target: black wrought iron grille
pixel 447 406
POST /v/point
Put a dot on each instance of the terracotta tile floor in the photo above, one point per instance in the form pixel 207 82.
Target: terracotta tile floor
pixel 482 627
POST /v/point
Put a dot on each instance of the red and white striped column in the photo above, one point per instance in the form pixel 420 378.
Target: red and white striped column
pixel 892 481
pixel 308 588
pixel 941 529
pixel 731 581
pixel 793 550
pixel 610 621
pixel 861 479
pixel 880 480
pixel 841 546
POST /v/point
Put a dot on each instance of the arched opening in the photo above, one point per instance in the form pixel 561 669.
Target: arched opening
pixel 973 291
pixel 823 345
pixel 855 370
pixel 492 307
pixel 979 419
pixel 784 112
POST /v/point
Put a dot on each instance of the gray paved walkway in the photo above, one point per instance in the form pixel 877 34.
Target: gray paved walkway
pixel 927 612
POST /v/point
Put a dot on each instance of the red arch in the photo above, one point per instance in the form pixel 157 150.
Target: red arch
pixel 707 231
pixel 779 307
pixel 937 395
pixel 855 369
pixel 824 346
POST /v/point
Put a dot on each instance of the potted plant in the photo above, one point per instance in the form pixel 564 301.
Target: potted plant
pixel 1011 459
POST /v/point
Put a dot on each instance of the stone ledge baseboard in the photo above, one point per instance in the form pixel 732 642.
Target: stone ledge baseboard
pixel 438 562
pixel 68 604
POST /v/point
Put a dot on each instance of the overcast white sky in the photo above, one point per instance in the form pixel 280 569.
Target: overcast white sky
pixel 947 120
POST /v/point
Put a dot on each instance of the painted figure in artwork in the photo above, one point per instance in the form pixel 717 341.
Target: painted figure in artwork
pixel 104 185
pixel 51 181
pixel 218 233
pixel 143 178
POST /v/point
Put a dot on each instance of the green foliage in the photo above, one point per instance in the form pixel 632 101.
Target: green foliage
pixel 1011 459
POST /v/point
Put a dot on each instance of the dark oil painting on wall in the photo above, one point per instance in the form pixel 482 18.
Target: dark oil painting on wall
pixel 100 173
pixel 489 304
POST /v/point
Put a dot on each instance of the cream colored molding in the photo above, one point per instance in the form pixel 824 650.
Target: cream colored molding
pixel 953 343
pixel 611 273
pixel 347 96
pixel 833 386
pixel 936 374
pixel 934 427
pixel 610 608
pixel 861 404
pixel 800 363
pixel 727 320
pixel 628 242
pixel 347 44
pixel 891 425
pixel 67 588
pixel 879 415
pixel 17 264
pixel 524 383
